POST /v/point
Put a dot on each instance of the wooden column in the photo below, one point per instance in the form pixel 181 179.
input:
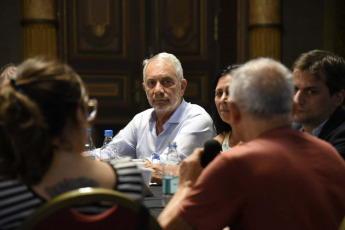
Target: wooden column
pixel 39 28
pixel 265 28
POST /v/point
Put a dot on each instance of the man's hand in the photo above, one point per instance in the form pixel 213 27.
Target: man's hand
pixel 190 168
pixel 147 163
pixel 157 173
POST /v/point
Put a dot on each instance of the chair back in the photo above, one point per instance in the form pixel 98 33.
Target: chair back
pixel 121 212
pixel 342 225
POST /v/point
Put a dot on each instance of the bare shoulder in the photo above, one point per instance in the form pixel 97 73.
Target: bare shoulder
pixel 91 174
pixel 220 137
pixel 102 172
pixel 75 172
pixel 68 184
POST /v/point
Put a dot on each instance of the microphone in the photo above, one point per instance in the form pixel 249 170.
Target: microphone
pixel 211 150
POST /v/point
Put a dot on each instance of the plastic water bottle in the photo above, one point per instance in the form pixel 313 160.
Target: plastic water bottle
pixel 170 173
pixel 89 146
pixel 107 154
pixel 155 159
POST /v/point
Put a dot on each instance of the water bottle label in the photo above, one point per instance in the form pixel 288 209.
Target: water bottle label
pixel 170 184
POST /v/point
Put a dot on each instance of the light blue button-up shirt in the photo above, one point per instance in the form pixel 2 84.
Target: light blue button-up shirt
pixel 190 127
pixel 316 132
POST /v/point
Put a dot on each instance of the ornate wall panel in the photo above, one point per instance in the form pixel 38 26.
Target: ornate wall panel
pixel 181 27
pixel 98 29
pixel 100 41
pixel 105 41
pixel 113 94
pixel 196 88
pixel 108 87
pixel 186 28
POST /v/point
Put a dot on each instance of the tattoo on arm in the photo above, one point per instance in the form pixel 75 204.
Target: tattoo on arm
pixel 70 184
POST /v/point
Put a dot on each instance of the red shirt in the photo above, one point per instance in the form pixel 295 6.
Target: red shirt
pixel 283 179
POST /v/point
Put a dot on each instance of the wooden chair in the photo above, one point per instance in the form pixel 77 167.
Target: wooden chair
pixel 60 212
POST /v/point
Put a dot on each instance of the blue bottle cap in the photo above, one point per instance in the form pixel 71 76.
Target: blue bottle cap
pixel 155 156
pixel 108 133
pixel 172 144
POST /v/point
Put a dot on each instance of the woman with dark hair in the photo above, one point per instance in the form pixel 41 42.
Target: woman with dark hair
pixel 43 116
pixel 226 136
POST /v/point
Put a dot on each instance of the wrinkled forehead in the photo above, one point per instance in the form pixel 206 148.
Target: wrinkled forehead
pixel 160 68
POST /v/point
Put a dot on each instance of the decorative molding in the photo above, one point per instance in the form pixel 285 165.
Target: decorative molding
pixel 182 28
pixel 197 89
pixel 264 12
pixel 107 87
pixel 264 27
pixel 39 9
pixel 265 42
pixel 39 28
pixel 98 29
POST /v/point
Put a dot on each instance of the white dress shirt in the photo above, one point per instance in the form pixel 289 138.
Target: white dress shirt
pixel 190 127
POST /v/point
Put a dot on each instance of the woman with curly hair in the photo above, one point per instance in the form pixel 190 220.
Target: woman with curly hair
pixel 43 117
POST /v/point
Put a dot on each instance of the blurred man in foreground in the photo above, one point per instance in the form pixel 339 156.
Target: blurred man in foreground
pixel 279 178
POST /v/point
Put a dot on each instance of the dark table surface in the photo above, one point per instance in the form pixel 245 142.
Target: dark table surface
pixel 154 202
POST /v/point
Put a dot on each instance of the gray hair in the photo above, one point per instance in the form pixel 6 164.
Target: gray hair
pixel 166 57
pixel 263 88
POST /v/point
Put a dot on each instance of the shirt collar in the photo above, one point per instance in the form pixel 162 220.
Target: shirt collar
pixel 318 129
pixel 176 117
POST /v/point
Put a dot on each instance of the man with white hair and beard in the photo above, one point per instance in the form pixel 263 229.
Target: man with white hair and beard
pixel 171 118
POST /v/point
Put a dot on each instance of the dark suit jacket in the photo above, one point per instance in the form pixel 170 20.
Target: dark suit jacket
pixel 333 131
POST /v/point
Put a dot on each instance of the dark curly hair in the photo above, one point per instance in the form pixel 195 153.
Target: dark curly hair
pixel 34 111
pixel 218 124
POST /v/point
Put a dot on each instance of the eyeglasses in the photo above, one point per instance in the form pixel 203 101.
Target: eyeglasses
pixel 92 106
